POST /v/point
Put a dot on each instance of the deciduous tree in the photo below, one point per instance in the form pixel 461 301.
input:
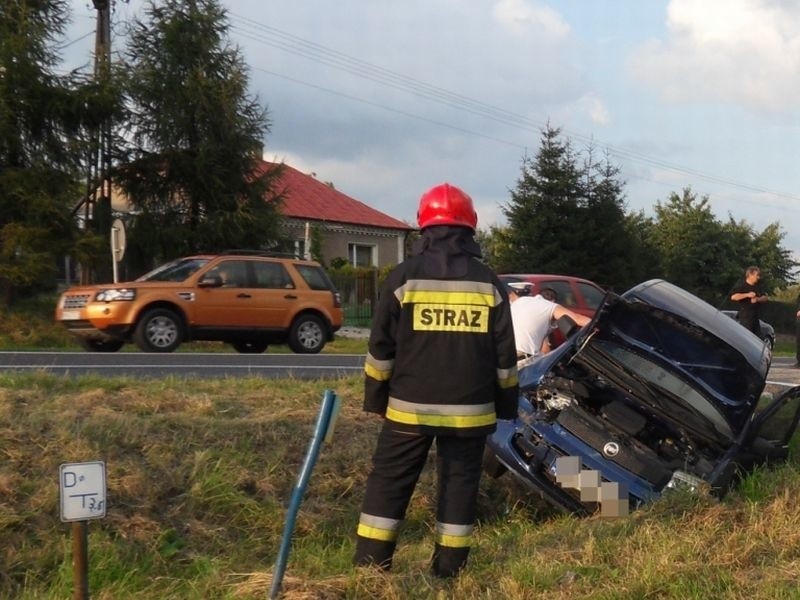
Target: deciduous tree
pixel 688 237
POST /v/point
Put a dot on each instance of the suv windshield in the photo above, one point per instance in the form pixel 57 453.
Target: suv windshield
pixel 177 270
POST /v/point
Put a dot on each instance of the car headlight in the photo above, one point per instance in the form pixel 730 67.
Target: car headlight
pixel 683 480
pixel 114 295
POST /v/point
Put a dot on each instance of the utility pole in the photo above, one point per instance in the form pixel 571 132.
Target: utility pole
pixel 97 201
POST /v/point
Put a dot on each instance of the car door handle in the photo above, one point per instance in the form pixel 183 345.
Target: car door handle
pixel 243 295
pixel 290 297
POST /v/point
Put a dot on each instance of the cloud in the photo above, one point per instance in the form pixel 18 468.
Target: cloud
pixel 589 105
pixel 732 51
pixel 523 18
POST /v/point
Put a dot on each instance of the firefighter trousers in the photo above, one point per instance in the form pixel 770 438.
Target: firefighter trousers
pixel 396 466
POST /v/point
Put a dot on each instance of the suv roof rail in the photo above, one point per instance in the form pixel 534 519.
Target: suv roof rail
pixel 247 252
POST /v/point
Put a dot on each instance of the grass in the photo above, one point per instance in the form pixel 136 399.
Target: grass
pixel 200 473
pixel 785 345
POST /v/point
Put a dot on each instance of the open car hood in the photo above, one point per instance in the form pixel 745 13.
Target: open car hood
pixel 678 358
pixel 659 391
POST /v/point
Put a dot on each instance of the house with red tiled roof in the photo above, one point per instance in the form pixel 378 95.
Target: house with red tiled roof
pixel 348 228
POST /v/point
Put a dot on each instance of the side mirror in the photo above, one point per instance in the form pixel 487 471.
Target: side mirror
pixel 210 281
pixel 567 326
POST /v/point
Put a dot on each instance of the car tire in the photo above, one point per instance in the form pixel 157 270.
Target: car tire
pixel 250 347
pixel 491 466
pixel 101 346
pixel 307 335
pixel 158 330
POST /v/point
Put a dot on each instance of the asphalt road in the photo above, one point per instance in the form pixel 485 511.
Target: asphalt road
pixel 782 373
pixel 300 366
pixel 136 364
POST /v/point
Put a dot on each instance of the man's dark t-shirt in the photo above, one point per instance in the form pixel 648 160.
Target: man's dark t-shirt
pixel 748 310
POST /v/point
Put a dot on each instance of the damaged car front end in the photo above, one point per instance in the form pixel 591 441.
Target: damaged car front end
pixel 660 390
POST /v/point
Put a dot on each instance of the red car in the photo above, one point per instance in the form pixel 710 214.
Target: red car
pixel 579 295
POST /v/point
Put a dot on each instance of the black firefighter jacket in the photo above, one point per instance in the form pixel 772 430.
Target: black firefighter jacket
pixel 442 358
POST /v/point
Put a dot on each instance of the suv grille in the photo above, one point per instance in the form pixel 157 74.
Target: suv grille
pixel 76 301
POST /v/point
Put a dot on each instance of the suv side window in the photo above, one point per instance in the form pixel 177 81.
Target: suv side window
pixel 233 273
pixel 315 277
pixel 591 294
pixel 272 275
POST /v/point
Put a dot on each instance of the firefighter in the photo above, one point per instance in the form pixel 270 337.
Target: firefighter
pixel 441 366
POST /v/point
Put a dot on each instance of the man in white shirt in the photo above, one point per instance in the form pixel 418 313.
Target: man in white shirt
pixel 532 317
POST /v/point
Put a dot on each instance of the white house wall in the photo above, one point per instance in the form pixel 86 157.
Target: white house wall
pixel 389 243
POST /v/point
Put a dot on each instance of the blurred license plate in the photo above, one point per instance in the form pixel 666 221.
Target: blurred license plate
pixel 70 315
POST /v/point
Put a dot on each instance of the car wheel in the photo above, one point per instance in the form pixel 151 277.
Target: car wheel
pixel 307 334
pixel 250 347
pixel 159 330
pixel 101 346
pixel 491 466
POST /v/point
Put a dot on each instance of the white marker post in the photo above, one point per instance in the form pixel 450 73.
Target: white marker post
pixel 117 245
pixel 82 492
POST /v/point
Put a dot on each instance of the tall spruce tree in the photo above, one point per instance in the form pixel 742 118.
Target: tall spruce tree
pixel 540 237
pixel 193 172
pixel 569 217
pixel 607 252
pixel 39 112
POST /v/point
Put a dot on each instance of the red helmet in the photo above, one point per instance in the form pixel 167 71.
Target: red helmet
pixel 445 204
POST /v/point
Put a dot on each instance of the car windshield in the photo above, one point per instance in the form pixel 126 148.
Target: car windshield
pixel 177 270
pixel 680 391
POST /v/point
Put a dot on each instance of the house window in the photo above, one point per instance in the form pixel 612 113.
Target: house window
pixel 362 255
pixel 299 248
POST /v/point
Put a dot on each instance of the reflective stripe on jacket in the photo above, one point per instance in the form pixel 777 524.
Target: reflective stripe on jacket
pixel 441 354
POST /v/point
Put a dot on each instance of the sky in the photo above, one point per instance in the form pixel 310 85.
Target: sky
pixel 385 99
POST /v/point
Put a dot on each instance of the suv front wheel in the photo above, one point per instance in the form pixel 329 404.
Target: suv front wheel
pixel 307 335
pixel 159 330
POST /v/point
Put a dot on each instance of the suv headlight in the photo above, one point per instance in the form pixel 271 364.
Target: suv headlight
pixel 114 295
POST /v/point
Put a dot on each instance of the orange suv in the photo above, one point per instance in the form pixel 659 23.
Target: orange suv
pixel 249 300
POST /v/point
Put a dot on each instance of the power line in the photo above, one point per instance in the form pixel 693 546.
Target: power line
pixel 292 44
pixel 467 131
pixel 75 41
pixel 320 54
pixel 389 108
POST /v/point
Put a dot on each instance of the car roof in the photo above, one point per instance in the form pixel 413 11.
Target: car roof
pixel 249 255
pixel 537 277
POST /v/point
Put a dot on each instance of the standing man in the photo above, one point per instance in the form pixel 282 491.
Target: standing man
pixel 441 366
pixel 749 295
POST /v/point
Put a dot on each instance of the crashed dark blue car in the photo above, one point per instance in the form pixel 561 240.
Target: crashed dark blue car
pixel 660 390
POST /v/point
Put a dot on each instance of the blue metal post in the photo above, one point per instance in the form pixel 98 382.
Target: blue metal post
pixel 327 414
